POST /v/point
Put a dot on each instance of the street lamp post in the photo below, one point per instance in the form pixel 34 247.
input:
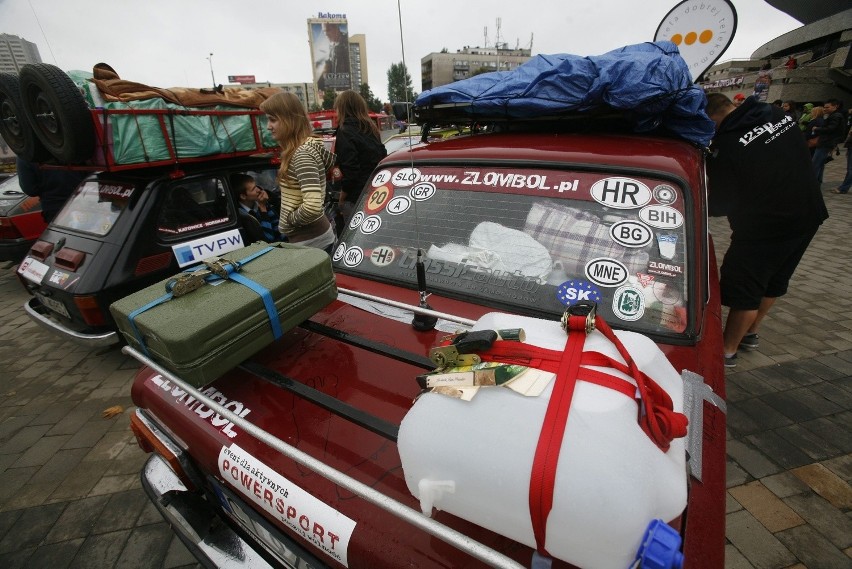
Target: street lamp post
pixel 210 59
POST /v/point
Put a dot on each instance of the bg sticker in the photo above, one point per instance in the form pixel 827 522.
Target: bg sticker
pixel 398 205
pixel 630 233
pixel 628 303
pixel 382 256
pixel 573 291
pixel 378 198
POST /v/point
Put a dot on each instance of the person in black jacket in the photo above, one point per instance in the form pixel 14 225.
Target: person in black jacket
pixel 53 187
pixel 358 147
pixel 831 133
pixel 760 176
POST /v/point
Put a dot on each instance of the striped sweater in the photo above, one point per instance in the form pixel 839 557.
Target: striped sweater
pixel 303 192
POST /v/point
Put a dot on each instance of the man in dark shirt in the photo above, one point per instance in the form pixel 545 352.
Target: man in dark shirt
pixel 51 186
pixel 760 177
pixel 830 134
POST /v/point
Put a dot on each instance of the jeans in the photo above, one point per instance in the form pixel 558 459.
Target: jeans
pixel 847 181
pixel 819 158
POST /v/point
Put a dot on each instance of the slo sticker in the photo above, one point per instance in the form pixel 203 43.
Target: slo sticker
pixel 607 272
pixel 628 303
pixel 398 205
pixel 573 291
pixel 382 256
pixel 404 177
pixel 378 198
pixel 621 193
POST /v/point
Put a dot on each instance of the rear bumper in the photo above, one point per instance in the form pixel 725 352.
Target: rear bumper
pixel 38 314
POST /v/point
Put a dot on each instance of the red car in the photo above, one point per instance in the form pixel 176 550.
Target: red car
pixel 20 220
pixel 323 449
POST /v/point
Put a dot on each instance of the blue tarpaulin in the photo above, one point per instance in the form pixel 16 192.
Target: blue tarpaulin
pixel 650 81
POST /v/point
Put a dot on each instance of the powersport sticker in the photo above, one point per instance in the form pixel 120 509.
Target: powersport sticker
pixel 315 521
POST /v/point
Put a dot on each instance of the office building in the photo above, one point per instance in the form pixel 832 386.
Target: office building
pixel 442 68
pixel 16 52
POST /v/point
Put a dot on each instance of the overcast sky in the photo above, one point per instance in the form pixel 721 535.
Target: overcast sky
pixel 166 43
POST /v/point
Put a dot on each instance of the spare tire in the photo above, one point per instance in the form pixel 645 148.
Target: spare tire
pixel 57 112
pixel 14 126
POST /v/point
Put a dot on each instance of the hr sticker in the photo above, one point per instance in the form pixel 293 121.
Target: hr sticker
pixel 621 193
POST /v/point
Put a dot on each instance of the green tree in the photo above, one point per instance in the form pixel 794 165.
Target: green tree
pixel 373 102
pixel 399 84
pixel 328 99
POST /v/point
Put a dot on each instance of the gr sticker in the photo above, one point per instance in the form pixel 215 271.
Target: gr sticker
pixel 630 233
pixel 356 219
pixel 661 216
pixel 381 178
pixel 628 303
pixel 621 193
pixel 371 224
pixel 404 177
pixel 665 194
pixel 398 205
pixel 338 253
pixel 606 272
pixel 422 191
pixel 378 198
pixel 382 256
pixel 353 257
pixel 573 291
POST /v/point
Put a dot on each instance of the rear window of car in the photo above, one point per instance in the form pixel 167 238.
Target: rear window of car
pixel 94 207
pixel 529 240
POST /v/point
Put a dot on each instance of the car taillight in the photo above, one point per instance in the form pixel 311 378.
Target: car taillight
pixel 41 249
pixel 8 229
pixel 89 309
pixel 151 439
pixel 153 263
pixel 69 259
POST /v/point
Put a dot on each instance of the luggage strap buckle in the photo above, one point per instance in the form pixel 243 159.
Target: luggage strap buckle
pixel 220 268
pixel 587 309
pixel 186 283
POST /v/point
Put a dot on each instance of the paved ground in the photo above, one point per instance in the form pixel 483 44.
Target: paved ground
pixel 69 486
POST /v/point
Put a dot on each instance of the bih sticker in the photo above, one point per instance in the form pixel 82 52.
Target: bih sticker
pixel 628 303
pixel 573 291
pixel 661 216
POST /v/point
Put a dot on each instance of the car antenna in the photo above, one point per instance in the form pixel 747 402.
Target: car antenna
pixel 421 322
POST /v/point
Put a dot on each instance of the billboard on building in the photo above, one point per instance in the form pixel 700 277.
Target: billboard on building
pixel 329 40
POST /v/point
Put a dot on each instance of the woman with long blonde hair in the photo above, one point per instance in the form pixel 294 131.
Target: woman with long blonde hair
pixel 302 177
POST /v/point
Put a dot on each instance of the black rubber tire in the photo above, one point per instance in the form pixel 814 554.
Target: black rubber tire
pixel 14 126
pixel 57 112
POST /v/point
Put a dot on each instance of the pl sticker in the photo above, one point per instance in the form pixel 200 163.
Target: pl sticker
pixel 607 272
pixel 381 178
pixel 398 205
pixel 665 194
pixel 371 224
pixel 404 177
pixel 382 256
pixel 661 216
pixel 356 219
pixel 573 291
pixel 631 233
pixel 628 303
pixel 353 257
pixel 338 253
pixel 422 191
pixel 621 193
pixel 378 198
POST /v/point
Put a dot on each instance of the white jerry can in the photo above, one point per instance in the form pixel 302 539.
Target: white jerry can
pixel 474 458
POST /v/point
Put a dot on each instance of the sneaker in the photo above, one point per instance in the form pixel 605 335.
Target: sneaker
pixel 731 361
pixel 750 342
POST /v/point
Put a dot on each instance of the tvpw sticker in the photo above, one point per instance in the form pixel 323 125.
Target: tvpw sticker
pixel 194 251
pixel 203 411
pixel 315 521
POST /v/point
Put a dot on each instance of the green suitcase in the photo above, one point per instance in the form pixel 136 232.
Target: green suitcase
pixel 199 325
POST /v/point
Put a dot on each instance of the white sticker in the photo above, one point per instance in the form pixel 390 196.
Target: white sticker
pixel 356 220
pixel 404 177
pixel 607 272
pixel 621 193
pixel 353 257
pixel 398 205
pixel 422 191
pixel 194 251
pixel 315 521
pixel 382 256
pixel 628 303
pixel 631 233
pixel 668 245
pixel 371 224
pixel 32 270
pixel 381 178
pixel 338 253
pixel 661 216
pixel 665 194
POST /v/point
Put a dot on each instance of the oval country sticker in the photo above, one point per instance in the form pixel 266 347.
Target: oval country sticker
pixel 631 233
pixel 621 193
pixel 608 272
pixel 661 216
pixel 378 198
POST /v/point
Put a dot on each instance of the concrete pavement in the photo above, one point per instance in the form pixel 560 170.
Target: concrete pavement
pixel 70 494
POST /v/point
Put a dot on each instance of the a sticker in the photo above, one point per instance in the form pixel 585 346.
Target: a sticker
pixel 378 198
pixel 313 520
pixel 573 291
pixel 398 205
pixel 33 270
pixel 667 243
pixel 630 233
pixel 665 194
pixel 353 257
pixel 339 251
pixel 381 178
pixel 371 224
pixel 665 269
pixel 404 177
pixel 382 256
pixel 621 193
pixel 661 216
pixel 422 191
pixel 628 303
pixel 356 220
pixel 606 272
pixel 205 247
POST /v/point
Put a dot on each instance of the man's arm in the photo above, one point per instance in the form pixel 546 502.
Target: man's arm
pixel 28 177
